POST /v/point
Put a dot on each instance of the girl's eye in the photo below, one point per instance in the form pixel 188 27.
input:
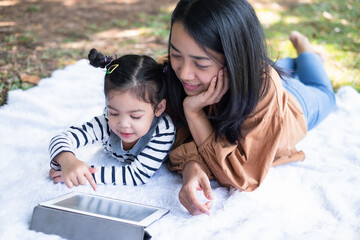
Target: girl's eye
pixel 135 117
pixel 113 114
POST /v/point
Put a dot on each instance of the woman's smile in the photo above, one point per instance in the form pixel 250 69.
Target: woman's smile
pixel 190 86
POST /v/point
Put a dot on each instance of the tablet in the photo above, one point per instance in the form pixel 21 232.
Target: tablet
pixel 107 208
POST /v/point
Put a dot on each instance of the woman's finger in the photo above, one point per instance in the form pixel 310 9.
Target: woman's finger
pixel 225 81
pixel 222 86
pixel 189 200
pixel 219 86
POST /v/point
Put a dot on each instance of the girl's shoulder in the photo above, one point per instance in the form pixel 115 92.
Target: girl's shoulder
pixel 166 123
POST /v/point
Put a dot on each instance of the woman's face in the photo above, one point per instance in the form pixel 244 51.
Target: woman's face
pixel 194 67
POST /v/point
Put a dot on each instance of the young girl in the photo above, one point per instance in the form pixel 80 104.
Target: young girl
pixel 235 116
pixel 133 128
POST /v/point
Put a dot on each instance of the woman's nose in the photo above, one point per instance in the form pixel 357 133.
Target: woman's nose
pixel 186 72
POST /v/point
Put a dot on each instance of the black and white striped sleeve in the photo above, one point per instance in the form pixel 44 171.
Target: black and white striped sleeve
pixel 146 163
pixel 77 136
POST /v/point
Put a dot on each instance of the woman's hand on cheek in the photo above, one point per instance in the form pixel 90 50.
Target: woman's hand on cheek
pixel 218 86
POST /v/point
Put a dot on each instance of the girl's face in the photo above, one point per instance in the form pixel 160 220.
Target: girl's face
pixel 129 117
pixel 192 65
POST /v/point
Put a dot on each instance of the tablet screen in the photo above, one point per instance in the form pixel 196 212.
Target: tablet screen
pixel 107 208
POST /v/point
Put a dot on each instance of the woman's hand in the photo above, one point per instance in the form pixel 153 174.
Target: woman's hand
pixel 195 179
pixel 73 171
pixel 198 122
pixel 219 85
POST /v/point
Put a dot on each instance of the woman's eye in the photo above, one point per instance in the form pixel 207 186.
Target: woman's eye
pixel 113 114
pixel 175 56
pixel 200 66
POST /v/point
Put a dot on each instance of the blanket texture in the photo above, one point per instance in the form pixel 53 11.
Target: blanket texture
pixel 315 199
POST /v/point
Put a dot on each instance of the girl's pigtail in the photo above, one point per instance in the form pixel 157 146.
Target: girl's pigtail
pixel 97 59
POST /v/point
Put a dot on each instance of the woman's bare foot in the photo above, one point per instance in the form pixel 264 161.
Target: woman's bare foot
pixel 302 44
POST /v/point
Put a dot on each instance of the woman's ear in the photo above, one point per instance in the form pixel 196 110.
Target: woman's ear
pixel 160 108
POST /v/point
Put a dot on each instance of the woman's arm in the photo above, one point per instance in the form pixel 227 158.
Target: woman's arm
pixel 195 178
pixel 243 166
pixel 195 173
pixel 198 122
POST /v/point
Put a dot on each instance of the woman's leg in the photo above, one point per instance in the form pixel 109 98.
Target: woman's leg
pixel 309 83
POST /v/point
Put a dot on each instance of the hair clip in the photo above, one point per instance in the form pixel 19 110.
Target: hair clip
pixel 112 68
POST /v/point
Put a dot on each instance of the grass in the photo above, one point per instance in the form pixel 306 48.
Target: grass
pixel 331 25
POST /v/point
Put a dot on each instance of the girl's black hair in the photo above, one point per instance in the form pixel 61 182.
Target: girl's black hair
pixel 229 27
pixel 140 74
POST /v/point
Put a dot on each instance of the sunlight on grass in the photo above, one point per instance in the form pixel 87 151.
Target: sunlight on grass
pixel 333 29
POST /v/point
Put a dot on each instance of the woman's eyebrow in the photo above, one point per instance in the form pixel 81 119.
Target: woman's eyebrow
pixel 173 47
pixel 192 56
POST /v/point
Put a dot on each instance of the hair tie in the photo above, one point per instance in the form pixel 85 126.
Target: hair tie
pixel 106 59
pixel 165 68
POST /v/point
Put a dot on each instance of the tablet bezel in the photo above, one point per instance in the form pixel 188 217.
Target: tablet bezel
pixel 144 222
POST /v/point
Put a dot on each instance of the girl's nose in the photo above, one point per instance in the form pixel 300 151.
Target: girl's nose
pixel 122 122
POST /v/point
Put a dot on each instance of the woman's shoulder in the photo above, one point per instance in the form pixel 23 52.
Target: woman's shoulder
pixel 272 101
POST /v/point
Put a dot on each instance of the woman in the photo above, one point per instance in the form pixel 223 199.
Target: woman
pixel 235 116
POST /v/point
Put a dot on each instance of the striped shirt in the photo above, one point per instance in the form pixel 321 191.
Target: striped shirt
pixel 140 162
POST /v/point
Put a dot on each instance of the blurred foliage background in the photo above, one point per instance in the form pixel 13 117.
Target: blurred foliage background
pixel 38 37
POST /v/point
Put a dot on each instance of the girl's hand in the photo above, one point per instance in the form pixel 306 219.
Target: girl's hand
pixel 219 85
pixel 195 179
pixel 73 171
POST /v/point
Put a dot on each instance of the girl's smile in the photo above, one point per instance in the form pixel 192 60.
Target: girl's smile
pixel 125 135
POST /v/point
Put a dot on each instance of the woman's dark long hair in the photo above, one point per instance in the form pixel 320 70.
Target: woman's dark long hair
pixel 229 27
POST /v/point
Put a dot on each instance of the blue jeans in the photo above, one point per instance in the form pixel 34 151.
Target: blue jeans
pixel 310 85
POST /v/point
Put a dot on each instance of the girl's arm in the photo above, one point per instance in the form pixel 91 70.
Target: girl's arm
pixel 73 172
pixel 67 168
pixel 78 136
pixel 140 170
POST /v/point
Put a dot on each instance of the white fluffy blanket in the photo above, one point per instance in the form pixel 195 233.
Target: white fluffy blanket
pixel 315 199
